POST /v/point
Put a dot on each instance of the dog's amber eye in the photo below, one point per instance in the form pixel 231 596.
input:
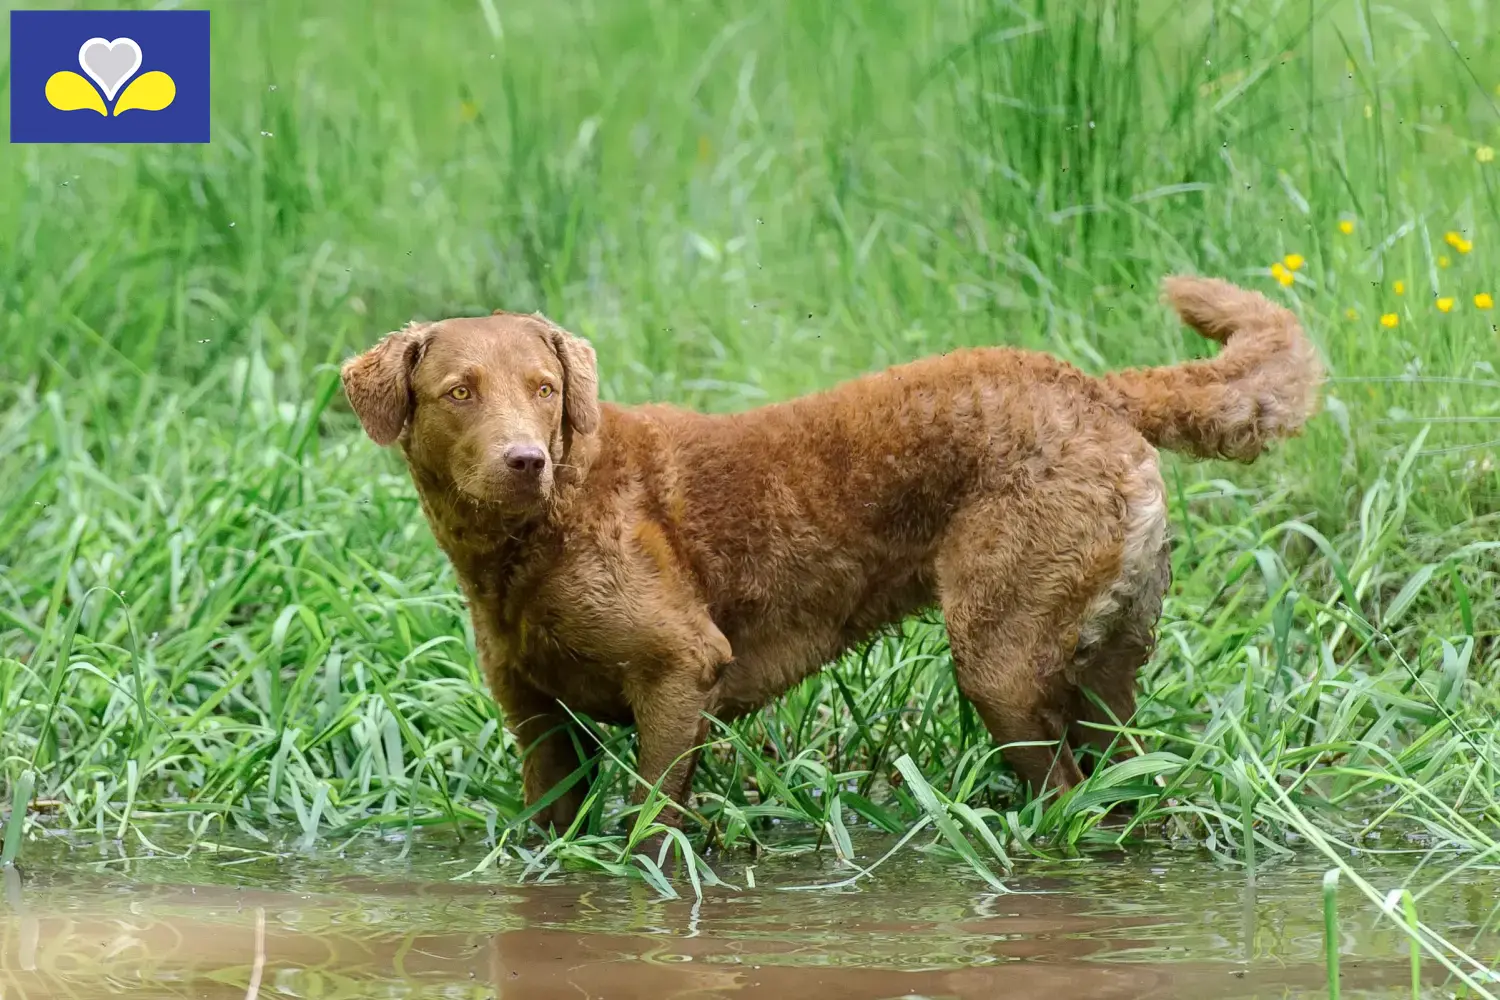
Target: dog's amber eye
pixel 545 389
pixel 459 392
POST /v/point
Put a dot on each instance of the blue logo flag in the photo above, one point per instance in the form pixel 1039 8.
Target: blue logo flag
pixel 109 76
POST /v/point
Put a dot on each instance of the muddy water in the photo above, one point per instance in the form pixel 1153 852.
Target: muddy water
pixel 387 924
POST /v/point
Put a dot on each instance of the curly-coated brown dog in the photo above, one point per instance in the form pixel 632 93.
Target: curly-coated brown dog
pixel 651 564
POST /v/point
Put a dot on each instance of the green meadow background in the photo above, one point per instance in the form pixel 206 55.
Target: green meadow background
pixel 222 616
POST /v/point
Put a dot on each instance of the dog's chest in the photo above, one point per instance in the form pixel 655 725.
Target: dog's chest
pixel 565 658
pixel 546 654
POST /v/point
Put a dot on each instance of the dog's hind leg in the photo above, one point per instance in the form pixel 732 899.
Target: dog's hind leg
pixel 1016 578
pixel 1011 670
pixel 1107 672
pixel 1119 632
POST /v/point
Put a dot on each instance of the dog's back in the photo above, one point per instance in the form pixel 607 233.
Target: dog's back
pixel 999 484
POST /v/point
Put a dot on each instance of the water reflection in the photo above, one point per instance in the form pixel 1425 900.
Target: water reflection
pixel 1104 931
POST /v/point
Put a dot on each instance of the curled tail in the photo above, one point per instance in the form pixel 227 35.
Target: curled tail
pixel 1263 386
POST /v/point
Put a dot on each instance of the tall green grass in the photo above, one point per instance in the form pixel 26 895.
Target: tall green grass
pixel 219 604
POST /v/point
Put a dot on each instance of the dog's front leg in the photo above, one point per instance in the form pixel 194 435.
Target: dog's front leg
pixel 671 726
pixel 672 656
pixel 550 743
pixel 669 692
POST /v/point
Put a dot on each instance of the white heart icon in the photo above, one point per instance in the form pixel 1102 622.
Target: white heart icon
pixel 110 64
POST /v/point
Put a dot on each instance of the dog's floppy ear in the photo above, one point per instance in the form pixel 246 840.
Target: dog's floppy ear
pixel 580 381
pixel 378 383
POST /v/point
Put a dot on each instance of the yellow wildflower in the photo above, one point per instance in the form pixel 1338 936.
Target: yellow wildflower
pixel 1457 242
pixel 1484 301
pixel 1485 154
pixel 1443 261
pixel 1293 261
pixel 1399 287
pixel 1281 274
pixel 1389 320
pixel 1351 314
pixel 1445 304
pixel 1346 226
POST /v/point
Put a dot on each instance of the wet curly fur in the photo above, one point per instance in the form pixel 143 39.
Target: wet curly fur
pixel 660 564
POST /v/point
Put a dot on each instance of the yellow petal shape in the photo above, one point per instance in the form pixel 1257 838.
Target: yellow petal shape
pixel 67 91
pixel 149 92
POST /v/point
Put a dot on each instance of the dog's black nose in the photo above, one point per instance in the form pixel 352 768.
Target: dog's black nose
pixel 525 459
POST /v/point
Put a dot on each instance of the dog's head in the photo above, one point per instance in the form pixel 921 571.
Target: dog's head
pixel 498 408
